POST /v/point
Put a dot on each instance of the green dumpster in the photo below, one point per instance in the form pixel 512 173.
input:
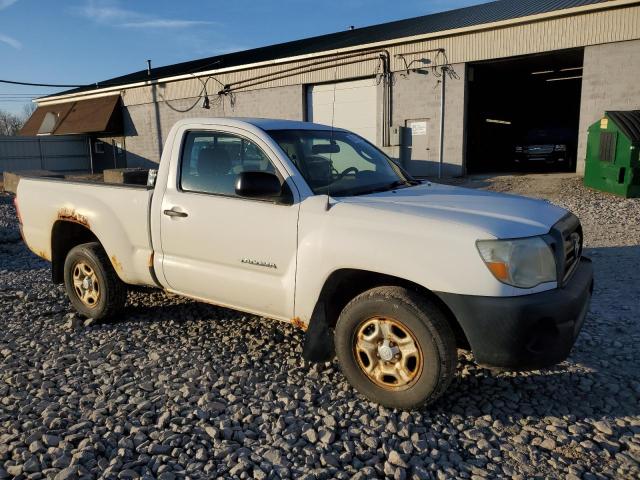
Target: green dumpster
pixel 612 163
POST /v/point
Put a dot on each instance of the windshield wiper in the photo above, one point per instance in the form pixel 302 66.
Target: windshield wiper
pixel 383 188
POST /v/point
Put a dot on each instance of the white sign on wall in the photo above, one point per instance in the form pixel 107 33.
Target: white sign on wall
pixel 418 128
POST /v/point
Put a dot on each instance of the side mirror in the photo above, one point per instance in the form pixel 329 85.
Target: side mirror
pixel 258 185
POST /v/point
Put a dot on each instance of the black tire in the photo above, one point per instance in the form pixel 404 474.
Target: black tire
pixel 428 328
pixel 112 291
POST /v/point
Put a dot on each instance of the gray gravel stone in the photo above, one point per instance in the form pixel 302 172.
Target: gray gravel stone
pixel 310 435
pixel 175 389
pixel 396 460
pixel 14 470
pixel 603 427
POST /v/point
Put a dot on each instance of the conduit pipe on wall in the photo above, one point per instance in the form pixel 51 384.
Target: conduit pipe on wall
pixel 342 60
pixel 445 70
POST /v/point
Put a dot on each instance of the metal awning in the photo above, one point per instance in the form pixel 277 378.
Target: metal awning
pixel 97 115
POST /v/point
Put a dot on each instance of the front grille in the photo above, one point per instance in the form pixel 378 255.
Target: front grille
pixel 567 235
pixel 572 252
pixel 539 149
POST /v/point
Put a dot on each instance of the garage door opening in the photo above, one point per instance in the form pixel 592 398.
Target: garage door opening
pixel 523 113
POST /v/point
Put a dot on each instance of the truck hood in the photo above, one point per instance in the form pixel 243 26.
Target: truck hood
pixel 497 214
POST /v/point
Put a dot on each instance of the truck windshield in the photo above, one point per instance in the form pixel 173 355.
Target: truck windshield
pixel 340 163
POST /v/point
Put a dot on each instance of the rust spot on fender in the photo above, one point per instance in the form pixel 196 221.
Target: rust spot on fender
pixel 296 322
pixel 116 264
pixel 40 253
pixel 150 263
pixel 70 215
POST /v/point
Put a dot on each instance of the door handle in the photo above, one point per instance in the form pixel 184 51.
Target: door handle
pixel 175 213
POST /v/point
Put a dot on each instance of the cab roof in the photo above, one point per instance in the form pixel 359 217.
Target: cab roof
pixel 261 123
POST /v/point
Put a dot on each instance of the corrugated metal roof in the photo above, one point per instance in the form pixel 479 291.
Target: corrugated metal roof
pixel 438 22
pixel 629 123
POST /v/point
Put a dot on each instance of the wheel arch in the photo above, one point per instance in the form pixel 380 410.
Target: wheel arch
pixel 66 235
pixel 340 287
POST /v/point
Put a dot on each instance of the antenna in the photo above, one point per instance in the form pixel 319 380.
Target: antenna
pixel 333 118
pixel 148 68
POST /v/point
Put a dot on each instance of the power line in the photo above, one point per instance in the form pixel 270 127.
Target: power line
pixel 13 82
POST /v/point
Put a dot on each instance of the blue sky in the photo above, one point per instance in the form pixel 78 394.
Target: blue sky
pixel 83 41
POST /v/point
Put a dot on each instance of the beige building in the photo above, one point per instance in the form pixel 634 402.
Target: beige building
pixel 510 68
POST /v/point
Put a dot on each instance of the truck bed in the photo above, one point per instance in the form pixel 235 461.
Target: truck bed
pixel 117 215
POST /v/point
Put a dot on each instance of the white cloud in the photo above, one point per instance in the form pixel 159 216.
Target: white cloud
pixel 12 42
pixel 6 3
pixel 6 39
pixel 103 13
pixel 110 13
pixel 164 23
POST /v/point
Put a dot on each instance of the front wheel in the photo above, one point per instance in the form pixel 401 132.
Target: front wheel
pixel 92 285
pixel 395 347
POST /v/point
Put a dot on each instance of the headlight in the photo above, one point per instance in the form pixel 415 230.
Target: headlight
pixel 522 263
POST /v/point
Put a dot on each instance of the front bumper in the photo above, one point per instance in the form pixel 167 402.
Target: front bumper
pixel 525 332
pixel 547 158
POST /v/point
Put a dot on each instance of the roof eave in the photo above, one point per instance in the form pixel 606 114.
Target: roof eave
pixel 99 92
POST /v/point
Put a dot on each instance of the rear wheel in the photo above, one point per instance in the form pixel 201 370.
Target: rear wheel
pixel 395 347
pixel 92 285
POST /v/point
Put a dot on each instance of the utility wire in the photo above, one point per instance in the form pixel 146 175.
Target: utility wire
pixel 96 84
pixel 13 82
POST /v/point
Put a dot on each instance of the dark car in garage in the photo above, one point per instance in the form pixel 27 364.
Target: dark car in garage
pixel 549 148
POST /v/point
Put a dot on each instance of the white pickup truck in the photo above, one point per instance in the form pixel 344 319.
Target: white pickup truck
pixel 317 227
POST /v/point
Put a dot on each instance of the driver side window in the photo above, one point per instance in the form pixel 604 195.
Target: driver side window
pixel 212 161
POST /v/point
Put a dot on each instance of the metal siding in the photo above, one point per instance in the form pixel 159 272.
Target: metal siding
pixel 527 38
pixel 55 153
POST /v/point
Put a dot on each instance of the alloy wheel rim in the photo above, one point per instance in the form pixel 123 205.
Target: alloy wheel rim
pixel 85 284
pixel 388 353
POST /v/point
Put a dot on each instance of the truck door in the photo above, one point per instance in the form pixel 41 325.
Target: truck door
pixel 217 246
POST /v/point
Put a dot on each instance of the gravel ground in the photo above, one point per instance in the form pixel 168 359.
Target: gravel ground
pixel 175 388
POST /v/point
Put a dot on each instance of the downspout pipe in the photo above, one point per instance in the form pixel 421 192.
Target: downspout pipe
pixel 443 92
pixel 385 58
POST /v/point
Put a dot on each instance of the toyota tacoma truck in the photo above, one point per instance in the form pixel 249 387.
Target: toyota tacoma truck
pixel 315 226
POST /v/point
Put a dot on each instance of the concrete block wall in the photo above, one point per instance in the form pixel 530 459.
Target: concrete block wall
pixel 610 81
pixel 147 125
pixel 416 96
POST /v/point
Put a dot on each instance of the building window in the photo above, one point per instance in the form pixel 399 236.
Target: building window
pixel 98 146
pixel 48 124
